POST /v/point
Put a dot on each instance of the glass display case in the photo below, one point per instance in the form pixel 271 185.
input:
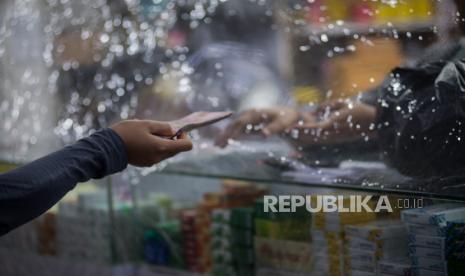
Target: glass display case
pixel 255 205
pixel 185 221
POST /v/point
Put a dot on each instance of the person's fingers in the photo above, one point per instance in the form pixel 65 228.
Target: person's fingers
pixel 276 126
pixel 222 139
pixel 160 128
pixel 237 127
pixel 280 121
pixel 308 117
pixel 323 125
pixel 330 106
pixel 167 146
pixel 183 135
pixel 183 144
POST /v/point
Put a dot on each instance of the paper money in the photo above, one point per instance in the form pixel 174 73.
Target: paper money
pixel 197 120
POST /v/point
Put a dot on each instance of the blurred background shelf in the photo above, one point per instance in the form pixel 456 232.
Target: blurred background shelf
pixel 346 29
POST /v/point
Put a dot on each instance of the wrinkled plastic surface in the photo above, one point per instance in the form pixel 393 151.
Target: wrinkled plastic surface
pixel 421 119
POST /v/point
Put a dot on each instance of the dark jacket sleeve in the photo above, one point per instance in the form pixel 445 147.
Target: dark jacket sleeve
pixel 30 190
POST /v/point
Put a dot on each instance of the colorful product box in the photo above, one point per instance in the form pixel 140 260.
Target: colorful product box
pixel 281 254
pixel 377 230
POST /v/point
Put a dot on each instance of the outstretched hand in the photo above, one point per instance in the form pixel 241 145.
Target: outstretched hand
pixel 147 143
pixel 270 121
pixel 344 122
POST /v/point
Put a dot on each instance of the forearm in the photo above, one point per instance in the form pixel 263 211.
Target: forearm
pixel 30 190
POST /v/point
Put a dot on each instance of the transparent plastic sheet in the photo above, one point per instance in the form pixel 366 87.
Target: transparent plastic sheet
pixel 421 119
pixel 91 236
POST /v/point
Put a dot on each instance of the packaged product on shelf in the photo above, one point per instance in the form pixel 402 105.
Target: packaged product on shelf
pixel 286 255
pixel 434 233
pixel 232 228
pixel 282 226
pixel 395 267
pixel 220 270
pixel 195 225
pixel 221 230
pixel 437 214
pixel 425 252
pixel 242 217
pixel 242 239
pixel 429 264
pixel 239 193
pixel 328 232
pixel 334 222
pixel 242 236
pixel 163 245
pixel 361 273
pixel 222 258
pixel 438 243
pixel 280 229
pixel 243 255
pixel 377 230
pixel 328 252
pixel 84 229
pixel 221 216
pixel 426 230
pixel 359 266
pixel 381 249
pixel 24 238
pixel 277 233
pixel 46 234
pixel 426 272
pixel 366 244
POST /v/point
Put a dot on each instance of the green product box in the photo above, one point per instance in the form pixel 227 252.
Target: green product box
pixel 243 255
pixel 289 229
pixel 248 270
pixel 266 228
pixel 223 270
pixel 221 216
pixel 220 230
pixel 242 236
pixel 242 218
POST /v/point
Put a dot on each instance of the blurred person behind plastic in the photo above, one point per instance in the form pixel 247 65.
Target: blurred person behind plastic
pixel 239 57
pixel 399 113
